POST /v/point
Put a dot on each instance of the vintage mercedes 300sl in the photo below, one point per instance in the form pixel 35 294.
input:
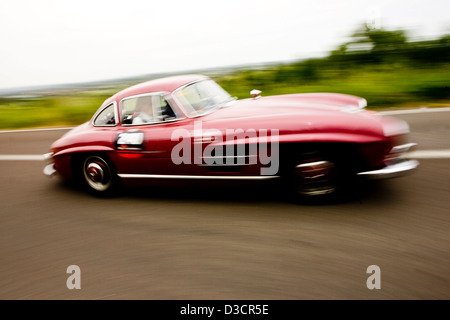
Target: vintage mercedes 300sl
pixel 188 127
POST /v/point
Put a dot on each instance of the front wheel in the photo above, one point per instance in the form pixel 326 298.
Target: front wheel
pixel 98 175
pixel 317 178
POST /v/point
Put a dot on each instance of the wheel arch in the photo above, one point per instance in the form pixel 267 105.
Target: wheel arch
pixel 346 153
pixel 77 158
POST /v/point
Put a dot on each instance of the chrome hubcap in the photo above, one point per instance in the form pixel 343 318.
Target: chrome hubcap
pixel 97 173
pixel 316 178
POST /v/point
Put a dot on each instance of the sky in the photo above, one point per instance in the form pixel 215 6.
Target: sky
pixel 50 42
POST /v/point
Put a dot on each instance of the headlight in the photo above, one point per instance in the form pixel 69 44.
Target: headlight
pixel 393 128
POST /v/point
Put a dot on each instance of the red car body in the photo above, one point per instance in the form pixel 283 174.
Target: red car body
pixel 317 136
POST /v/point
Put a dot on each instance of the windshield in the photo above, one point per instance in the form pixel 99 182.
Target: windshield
pixel 202 97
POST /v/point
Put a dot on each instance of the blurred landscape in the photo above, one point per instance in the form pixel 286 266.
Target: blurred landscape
pixel 384 66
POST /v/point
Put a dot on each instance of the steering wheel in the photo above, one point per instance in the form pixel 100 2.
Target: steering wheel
pixel 128 119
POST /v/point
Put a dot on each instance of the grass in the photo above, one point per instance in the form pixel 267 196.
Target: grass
pixel 386 86
pixel 65 110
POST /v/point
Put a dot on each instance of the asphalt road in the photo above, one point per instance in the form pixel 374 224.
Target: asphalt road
pixel 240 243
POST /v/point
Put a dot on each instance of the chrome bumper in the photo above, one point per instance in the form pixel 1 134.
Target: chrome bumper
pixel 49 169
pixel 398 169
pixel 396 165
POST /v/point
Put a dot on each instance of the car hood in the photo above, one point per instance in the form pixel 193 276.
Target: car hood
pixel 306 112
pixel 288 104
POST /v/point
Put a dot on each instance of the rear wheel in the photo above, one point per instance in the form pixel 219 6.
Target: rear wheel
pixel 98 175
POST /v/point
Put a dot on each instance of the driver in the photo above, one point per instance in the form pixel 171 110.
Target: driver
pixel 144 111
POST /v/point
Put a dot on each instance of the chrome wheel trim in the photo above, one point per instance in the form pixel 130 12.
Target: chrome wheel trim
pixel 97 173
pixel 316 178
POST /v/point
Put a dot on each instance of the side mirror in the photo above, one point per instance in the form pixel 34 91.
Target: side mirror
pixel 255 93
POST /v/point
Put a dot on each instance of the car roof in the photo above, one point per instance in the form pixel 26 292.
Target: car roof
pixel 167 84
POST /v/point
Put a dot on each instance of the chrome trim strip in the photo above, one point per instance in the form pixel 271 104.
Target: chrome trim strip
pixel 163 176
pixel 311 164
pixel 161 93
pixel 398 169
pixel 403 148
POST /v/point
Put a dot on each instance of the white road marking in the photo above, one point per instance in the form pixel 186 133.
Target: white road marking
pixel 429 154
pixel 412 111
pixel 20 157
pixel 32 130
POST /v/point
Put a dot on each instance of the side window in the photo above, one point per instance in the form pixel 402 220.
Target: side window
pixel 146 109
pixel 107 117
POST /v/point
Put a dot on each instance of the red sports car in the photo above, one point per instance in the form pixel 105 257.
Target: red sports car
pixel 188 127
